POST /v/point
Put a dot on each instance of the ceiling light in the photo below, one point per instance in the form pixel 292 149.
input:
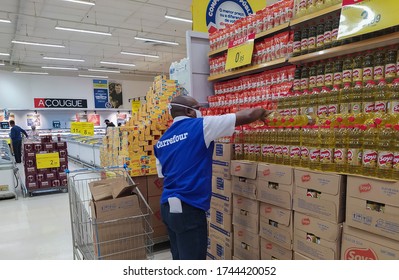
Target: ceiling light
pixel 117 63
pixel 33 73
pixel 5 20
pixel 104 70
pixel 2 64
pixel 60 68
pixel 92 76
pixel 5 54
pixel 179 19
pixel 63 59
pixel 83 31
pixel 140 54
pixel 37 44
pixel 81 2
pixel 156 41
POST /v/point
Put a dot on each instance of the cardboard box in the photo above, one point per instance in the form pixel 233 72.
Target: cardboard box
pixel 220 219
pixel 222 203
pixel 244 168
pixel 373 205
pixel 275 193
pixel 244 251
pixel 155 204
pixel 246 213
pixel 109 188
pixel 141 184
pixel 221 186
pixel 160 231
pixel 276 225
pixel 241 235
pixel 223 152
pixel 298 256
pixel 221 169
pixel 316 238
pixel 220 243
pixel 320 194
pixel 361 245
pixel 275 173
pixel 155 185
pixel 244 187
pixel 272 251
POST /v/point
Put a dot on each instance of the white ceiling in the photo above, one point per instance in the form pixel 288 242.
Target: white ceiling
pixel 35 21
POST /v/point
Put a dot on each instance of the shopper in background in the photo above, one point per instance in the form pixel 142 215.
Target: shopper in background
pixel 109 123
pixel 16 140
pixel 184 160
pixel 33 131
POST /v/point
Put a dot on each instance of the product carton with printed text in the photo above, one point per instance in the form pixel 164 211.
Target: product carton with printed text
pixel 244 168
pixel 244 187
pixel 220 243
pixel 220 219
pixel 221 169
pixel 223 152
pixel 272 251
pixel 246 213
pixel 221 186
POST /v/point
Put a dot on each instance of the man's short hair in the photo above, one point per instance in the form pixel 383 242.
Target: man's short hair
pixel 12 122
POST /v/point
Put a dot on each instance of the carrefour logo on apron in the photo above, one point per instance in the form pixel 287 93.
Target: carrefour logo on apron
pixel 222 12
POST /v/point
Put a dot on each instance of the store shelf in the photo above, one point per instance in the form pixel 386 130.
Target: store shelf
pixel 257 36
pixel 382 41
pixel 248 70
pixel 316 14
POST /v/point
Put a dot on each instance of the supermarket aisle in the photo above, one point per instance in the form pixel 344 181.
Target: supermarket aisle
pixel 38 228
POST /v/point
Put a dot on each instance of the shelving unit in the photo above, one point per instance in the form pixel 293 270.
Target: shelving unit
pixel 314 15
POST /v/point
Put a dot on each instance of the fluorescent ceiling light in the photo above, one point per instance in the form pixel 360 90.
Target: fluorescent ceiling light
pixel 92 76
pixel 156 41
pixel 81 2
pixel 2 64
pixel 63 59
pixel 5 54
pixel 60 68
pixel 5 20
pixel 117 63
pixel 32 73
pixel 104 70
pixel 140 54
pixel 83 31
pixel 37 44
pixel 179 19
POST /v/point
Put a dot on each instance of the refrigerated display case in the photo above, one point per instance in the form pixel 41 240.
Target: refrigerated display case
pixel 8 172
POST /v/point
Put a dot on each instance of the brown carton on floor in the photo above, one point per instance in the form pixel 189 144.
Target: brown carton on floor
pixel 272 251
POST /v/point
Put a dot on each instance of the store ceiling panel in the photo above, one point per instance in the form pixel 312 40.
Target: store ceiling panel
pixel 37 21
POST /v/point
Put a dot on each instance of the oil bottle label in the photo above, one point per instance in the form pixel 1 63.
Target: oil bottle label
pixel 356 108
pixel 238 148
pixel 368 73
pixel 395 162
pixel 304 83
pixel 312 81
pixel 344 108
pixel 311 43
pixel 337 78
pixel 333 109
pixel 314 154
pixel 246 149
pixel 326 155
pixel 297 47
pixel 354 157
pixel 297 84
pixel 390 70
pixel 295 152
pixel 385 159
pixel 340 155
pixel 320 80
pixel 322 110
pixel 257 149
pixel 368 107
pixel 304 153
pixel 327 37
pixel 380 106
pixel 304 44
pixel 294 112
pixel 328 79
pixel 394 107
pixel 251 149
pixel 378 72
pixel 320 40
pixel 347 75
pixel 370 158
pixel 357 74
pixel 278 151
pixel 286 151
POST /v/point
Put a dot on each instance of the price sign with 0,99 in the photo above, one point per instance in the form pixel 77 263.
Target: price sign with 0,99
pixel 50 160
pixel 240 52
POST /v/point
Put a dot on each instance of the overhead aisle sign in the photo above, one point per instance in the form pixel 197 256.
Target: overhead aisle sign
pixel 364 16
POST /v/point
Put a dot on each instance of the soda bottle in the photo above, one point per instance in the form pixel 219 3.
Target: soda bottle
pixel 312 38
pixel 327 33
pixel 385 153
pixel 297 43
pixel 305 140
pixel 395 149
pixel 320 36
pixel 312 76
pixel 355 143
pixel 304 40
pixel 341 149
pixel 369 97
pixel 333 100
pixel 379 65
pixel 278 148
pixel 295 148
pixel 338 64
pixel 369 160
pixel 314 148
pixel 287 145
pixel 357 73
pixel 368 67
pixel 390 65
pixel 347 70
pixel 326 148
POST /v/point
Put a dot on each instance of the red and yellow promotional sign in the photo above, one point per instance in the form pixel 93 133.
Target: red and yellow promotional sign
pixel 240 52
pixel 50 160
pixel 364 16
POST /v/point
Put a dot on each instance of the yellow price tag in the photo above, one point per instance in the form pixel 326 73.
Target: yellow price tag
pixel 50 160
pixel 75 127
pixel 135 106
pixel 87 129
pixel 364 16
pixel 240 52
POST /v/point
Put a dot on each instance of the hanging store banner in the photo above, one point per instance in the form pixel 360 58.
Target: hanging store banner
pixel 59 103
pixel 364 16
pixel 240 52
pixel 209 16
pixel 101 97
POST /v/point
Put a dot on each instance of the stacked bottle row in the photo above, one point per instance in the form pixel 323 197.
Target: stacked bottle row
pixel 265 19
pixel 360 149
pixel 306 7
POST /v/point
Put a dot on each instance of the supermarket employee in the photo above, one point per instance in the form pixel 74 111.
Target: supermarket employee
pixel 184 160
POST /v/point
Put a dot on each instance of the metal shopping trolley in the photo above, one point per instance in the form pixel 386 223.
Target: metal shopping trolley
pixel 110 218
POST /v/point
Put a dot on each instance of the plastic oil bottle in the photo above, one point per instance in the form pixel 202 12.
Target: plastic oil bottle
pixel 238 144
pixel 278 147
pixel 344 102
pixel 333 100
pixel 369 98
pixel 287 145
pixel 305 132
pixel 295 148
pixel 385 153
pixel 270 156
pixel 326 148
pixel 314 148
pixel 355 144
pixel 393 105
pixel 395 148
pixel 357 116
pixel 370 154
pixel 341 149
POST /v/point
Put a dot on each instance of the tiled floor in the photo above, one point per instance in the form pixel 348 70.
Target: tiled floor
pixel 39 228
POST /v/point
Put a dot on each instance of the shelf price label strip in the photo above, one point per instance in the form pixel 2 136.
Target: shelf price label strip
pixel 364 16
pixel 240 52
pixel 50 160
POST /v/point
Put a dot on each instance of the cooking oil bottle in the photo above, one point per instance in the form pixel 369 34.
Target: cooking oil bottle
pixel 357 116
pixel 385 153
pixel 333 100
pixel 369 97
pixel 369 159
pixel 295 148
pixel 395 149
pixel 238 144
pixel 265 140
pixel 287 145
pixel 344 102
pixel 355 144
pixel 314 148
pixel 278 148
pixel 341 149
pixel 326 148
pixel 382 97
pixel 305 132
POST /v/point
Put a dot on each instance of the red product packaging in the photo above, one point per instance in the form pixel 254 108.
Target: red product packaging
pixel 63 153
pixel 55 183
pixel 45 184
pixel 32 185
pixel 40 177
pixel 51 176
pixel 28 147
pixel 37 147
pixel 61 145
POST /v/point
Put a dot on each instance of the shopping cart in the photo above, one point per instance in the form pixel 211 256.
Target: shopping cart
pixel 122 231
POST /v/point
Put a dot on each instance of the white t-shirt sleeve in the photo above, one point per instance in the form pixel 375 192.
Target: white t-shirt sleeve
pixel 218 126
pixel 159 168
